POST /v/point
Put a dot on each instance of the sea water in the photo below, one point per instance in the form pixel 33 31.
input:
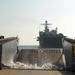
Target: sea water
pixel 28 47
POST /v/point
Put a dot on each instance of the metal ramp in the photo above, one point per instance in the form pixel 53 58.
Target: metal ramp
pixel 41 58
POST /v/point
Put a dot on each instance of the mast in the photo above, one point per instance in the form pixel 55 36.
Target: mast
pixel 46 26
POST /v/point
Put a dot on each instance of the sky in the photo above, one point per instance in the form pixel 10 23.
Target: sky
pixel 23 18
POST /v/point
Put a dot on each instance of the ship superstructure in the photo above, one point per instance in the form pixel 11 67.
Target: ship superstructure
pixel 50 38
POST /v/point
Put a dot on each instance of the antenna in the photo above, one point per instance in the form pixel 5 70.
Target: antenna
pixel 46 25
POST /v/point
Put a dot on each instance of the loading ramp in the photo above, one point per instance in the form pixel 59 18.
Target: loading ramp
pixel 48 58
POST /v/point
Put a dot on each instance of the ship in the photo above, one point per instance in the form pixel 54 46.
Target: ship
pixel 50 38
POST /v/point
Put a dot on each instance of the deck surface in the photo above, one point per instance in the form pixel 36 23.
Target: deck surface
pixel 34 72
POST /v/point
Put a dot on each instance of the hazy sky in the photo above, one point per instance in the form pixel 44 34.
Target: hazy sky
pixel 23 18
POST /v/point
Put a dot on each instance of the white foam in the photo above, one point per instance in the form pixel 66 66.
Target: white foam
pixel 19 65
